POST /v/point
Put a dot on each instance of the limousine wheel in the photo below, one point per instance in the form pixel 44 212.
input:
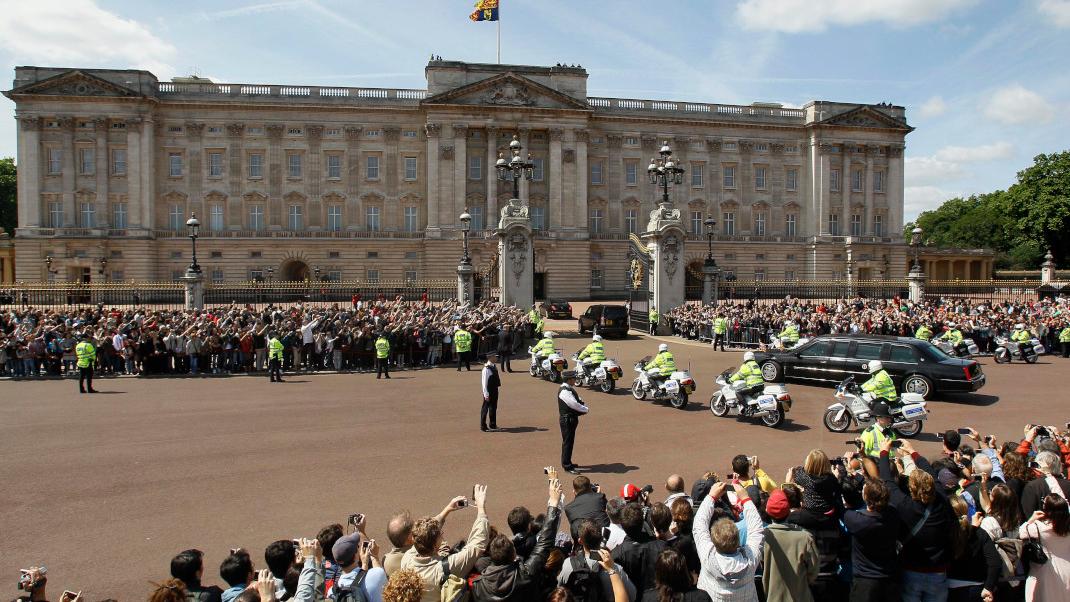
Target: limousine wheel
pixel 916 383
pixel 910 431
pixel 771 372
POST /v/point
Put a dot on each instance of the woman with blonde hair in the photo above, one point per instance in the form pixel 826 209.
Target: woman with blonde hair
pixel 975 564
pixel 822 494
pixel 172 590
pixel 403 586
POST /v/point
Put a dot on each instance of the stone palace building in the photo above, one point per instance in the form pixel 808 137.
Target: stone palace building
pixel 367 184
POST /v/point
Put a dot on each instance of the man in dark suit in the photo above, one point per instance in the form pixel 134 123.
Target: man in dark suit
pixel 505 347
pixel 491 383
pixel 588 503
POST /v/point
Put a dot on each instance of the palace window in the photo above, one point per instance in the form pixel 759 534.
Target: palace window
pixel 696 222
pixel 728 222
pixel 878 181
pixel 538 171
pixel 296 217
pixel 373 275
pixel 217 275
pixel 86 161
pixel 410 169
pixel 789 224
pixel 759 223
pixel 176 218
pixel 55 215
pixel 411 221
pixel 834 180
pixel 729 172
pixel 118 216
pixel 856 180
pixel 631 221
pixel 538 218
pixel 371 219
pixel 596 172
pixel 334 218
pixel 856 224
pixel 834 224
pixel 477 217
pixel 174 165
pixel 256 165
pixel 88 214
pixel 293 163
pixel 118 162
pixel 371 171
pixel 475 168
pixel 55 161
pixel 597 218
pixel 596 278
pixel 759 177
pixel 334 167
pixel 631 173
pixel 256 217
pixel 791 179
pixel 696 174
pixel 878 225
pixel 215 218
pixel 215 165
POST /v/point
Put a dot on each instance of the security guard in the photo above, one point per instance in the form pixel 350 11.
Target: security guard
pixel 924 333
pixel 877 432
pixel 535 318
pixel 1022 336
pixel 654 320
pixel 880 383
pixel 543 348
pixel 954 336
pixel 593 354
pixel 720 329
pixel 382 356
pixel 569 408
pixel 789 337
pixel 462 346
pixel 664 363
pixel 275 351
pixel 87 356
pixel 751 374
pixel 1064 339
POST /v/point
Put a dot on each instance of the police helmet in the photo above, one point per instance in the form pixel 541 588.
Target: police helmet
pixel 1019 326
pixel 950 324
pixel 874 366
pixel 597 338
pixel 748 356
pixel 663 347
pixel 549 334
pixel 881 410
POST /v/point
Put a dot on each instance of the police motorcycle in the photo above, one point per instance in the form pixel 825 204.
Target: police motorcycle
pixel 550 367
pixel 968 348
pixel 675 389
pixel 604 376
pixel 1007 350
pixel 771 405
pixel 855 406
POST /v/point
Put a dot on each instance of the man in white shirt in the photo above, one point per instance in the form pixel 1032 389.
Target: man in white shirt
pixel 308 341
pixel 570 407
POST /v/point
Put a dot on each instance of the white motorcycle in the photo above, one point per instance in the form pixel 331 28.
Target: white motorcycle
pixel 948 348
pixel 603 376
pixel 772 405
pixel 1007 350
pixel 674 389
pixel 549 367
pixel 855 406
pixel 779 345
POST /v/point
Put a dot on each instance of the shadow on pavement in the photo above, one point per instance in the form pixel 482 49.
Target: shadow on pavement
pixel 522 429
pixel 614 468
pixel 109 392
pixel 973 399
pixel 927 437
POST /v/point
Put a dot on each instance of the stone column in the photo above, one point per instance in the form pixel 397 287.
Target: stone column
pixel 916 281
pixel 235 177
pixel 29 172
pixel 894 190
pixel 492 173
pixel 148 172
pixel 1047 269
pixel 821 195
pixel 392 157
pixel 195 175
pixel 135 218
pixel 465 282
pixel 615 173
pixel 194 282
pixel 314 179
pixel 515 258
pixel 70 210
pixel 712 276
pixel 846 183
pixel 715 186
pixel 460 171
pixel 583 176
pixel 353 176
pixel 103 165
pixel 745 186
pixel 867 215
pixel 525 138
pixel 275 170
pixel 665 238
pixel 555 176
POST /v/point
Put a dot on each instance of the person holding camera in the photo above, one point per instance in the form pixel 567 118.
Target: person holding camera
pixel 427 558
pixel 592 561
pixel 587 503
pixel 399 532
pixel 1051 481
pixel 359 558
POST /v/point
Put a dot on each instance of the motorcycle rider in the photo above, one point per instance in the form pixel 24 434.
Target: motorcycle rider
pixel 954 336
pixel 664 363
pixel 789 337
pixel 1021 336
pixel 593 354
pixel 879 431
pixel 924 333
pixel 751 374
pixel 880 384
pixel 543 348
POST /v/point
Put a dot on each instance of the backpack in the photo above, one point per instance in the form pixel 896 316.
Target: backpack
pixel 1010 556
pixel 351 593
pixel 451 587
pixel 583 582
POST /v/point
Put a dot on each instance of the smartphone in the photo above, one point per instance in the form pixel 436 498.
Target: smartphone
pixel 597 488
pixel 988 439
pixel 356 518
pixel 605 535
pixel 963 431
pixel 365 545
pixel 837 461
pixel 69 595
pixel 897 444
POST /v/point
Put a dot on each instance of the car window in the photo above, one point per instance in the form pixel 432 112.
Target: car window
pixel 817 349
pixel 840 349
pixel 903 353
pixel 614 311
pixel 868 351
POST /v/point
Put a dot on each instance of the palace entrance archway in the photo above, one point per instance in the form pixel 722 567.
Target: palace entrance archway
pixel 294 270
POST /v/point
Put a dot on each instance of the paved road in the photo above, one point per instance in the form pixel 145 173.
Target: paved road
pixel 105 489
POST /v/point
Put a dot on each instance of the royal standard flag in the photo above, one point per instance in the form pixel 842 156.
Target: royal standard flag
pixel 486 10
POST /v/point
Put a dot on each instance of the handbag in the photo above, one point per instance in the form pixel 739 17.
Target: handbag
pixel 1032 550
pixel 915 529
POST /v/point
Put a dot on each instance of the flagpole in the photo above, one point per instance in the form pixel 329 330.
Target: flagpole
pixel 499 36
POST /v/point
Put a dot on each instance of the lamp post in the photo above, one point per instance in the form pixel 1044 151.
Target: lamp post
pixel 915 242
pixel 709 266
pixel 515 168
pixel 193 226
pixel 48 266
pixel 103 261
pixel 663 171
pixel 916 277
pixel 710 224
pixel 466 226
pixel 465 270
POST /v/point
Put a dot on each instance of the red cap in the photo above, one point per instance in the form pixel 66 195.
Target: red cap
pixel 629 492
pixel 777 507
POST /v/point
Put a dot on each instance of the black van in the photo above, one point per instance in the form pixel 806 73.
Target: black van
pixel 606 320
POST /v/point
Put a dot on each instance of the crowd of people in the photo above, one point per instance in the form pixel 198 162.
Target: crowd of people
pixel 756 323
pixel 232 339
pixel 983 520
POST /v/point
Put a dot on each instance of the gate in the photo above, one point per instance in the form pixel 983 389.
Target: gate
pixel 639 289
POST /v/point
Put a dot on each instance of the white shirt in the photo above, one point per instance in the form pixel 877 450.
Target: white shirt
pixel 569 397
pixel 306 331
pixel 117 341
pixel 488 369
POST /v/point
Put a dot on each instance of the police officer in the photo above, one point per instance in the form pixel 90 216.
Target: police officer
pixel 275 351
pixel 789 337
pixel 593 354
pixel 543 348
pixel 1021 336
pixel 462 346
pixel 923 332
pixel 382 356
pixel 954 336
pixel 491 383
pixel 569 407
pixel 535 318
pixel 664 362
pixel 880 383
pixel 751 375
pixel 720 329
pixel 87 356
pixel 879 431
pixel 654 320
pixel 1064 339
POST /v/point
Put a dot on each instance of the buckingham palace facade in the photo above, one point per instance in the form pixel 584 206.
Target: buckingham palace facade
pixel 368 183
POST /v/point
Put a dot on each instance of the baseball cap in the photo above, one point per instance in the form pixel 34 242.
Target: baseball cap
pixel 345 549
pixel 777 507
pixel 629 492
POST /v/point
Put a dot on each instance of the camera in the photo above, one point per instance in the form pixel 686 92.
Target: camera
pixel 597 488
pixel 355 519
pixel 963 431
pixel 605 535
pixel 24 579
pixel 897 444
pixel 463 503
pixel 854 442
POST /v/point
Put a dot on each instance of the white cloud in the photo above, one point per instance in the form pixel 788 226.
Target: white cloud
pixel 923 198
pixel 984 152
pixel 251 9
pixel 1056 11
pixel 934 107
pixel 1014 105
pixel 922 171
pixel 796 16
pixel 80 33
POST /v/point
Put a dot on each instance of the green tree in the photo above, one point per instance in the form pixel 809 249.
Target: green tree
pixel 1040 202
pixel 8 190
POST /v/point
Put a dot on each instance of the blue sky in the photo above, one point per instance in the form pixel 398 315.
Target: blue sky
pixel 985 82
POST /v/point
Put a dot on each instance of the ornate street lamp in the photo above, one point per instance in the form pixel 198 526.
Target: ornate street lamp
pixel 103 261
pixel 48 265
pixel 915 242
pixel 663 171
pixel 193 226
pixel 515 168
pixel 710 224
pixel 270 272
pixel 466 226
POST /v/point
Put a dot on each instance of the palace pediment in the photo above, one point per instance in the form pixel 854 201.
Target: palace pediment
pixel 76 83
pixel 866 117
pixel 508 90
